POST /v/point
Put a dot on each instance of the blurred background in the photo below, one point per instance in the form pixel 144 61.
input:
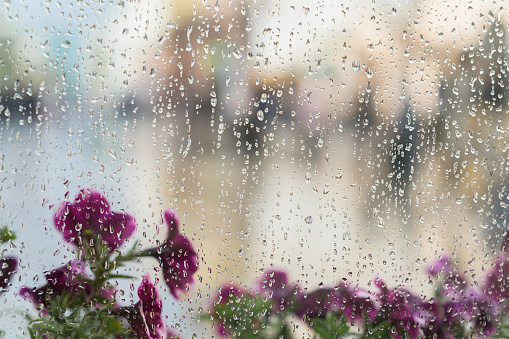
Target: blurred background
pixel 336 139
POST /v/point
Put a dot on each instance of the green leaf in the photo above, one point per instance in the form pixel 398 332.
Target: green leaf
pixel 121 276
pixel 6 235
pixel 32 334
pixel 111 325
pixel 46 326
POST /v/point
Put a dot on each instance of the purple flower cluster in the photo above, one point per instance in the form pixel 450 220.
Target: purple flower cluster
pixel 460 308
pixel 66 280
pixel 89 224
pixel 90 213
pixel 353 302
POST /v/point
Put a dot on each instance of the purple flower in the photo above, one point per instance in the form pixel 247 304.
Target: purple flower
pixel 145 316
pixel 432 315
pixel 7 268
pixel 459 303
pixel 177 256
pixel 274 285
pixel 314 304
pixel 440 266
pixel 482 312
pixel 64 280
pixel 227 292
pixel 354 303
pixel 395 307
pixel 91 212
pixel 496 282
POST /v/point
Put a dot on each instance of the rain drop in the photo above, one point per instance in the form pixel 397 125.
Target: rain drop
pixel 260 115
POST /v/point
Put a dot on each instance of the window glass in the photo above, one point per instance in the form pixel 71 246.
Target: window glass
pixel 335 141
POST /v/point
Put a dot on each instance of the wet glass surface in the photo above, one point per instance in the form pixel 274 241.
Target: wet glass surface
pixel 330 140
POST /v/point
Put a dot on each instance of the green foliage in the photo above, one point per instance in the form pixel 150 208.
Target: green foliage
pixel 330 327
pixel 244 317
pixel 382 330
pixel 86 314
pixel 504 332
pixel 6 234
pixel 79 324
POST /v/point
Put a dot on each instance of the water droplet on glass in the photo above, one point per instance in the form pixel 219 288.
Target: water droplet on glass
pixel 237 54
pixel 369 73
pixel 340 174
pixel 221 128
pixel 356 66
pixel 308 220
pixel 260 115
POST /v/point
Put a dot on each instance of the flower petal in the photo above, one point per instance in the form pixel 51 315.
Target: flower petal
pixel 90 205
pixel 7 268
pixel 147 322
pixel 116 229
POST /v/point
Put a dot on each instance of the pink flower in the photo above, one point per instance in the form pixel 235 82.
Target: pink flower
pixel 91 212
